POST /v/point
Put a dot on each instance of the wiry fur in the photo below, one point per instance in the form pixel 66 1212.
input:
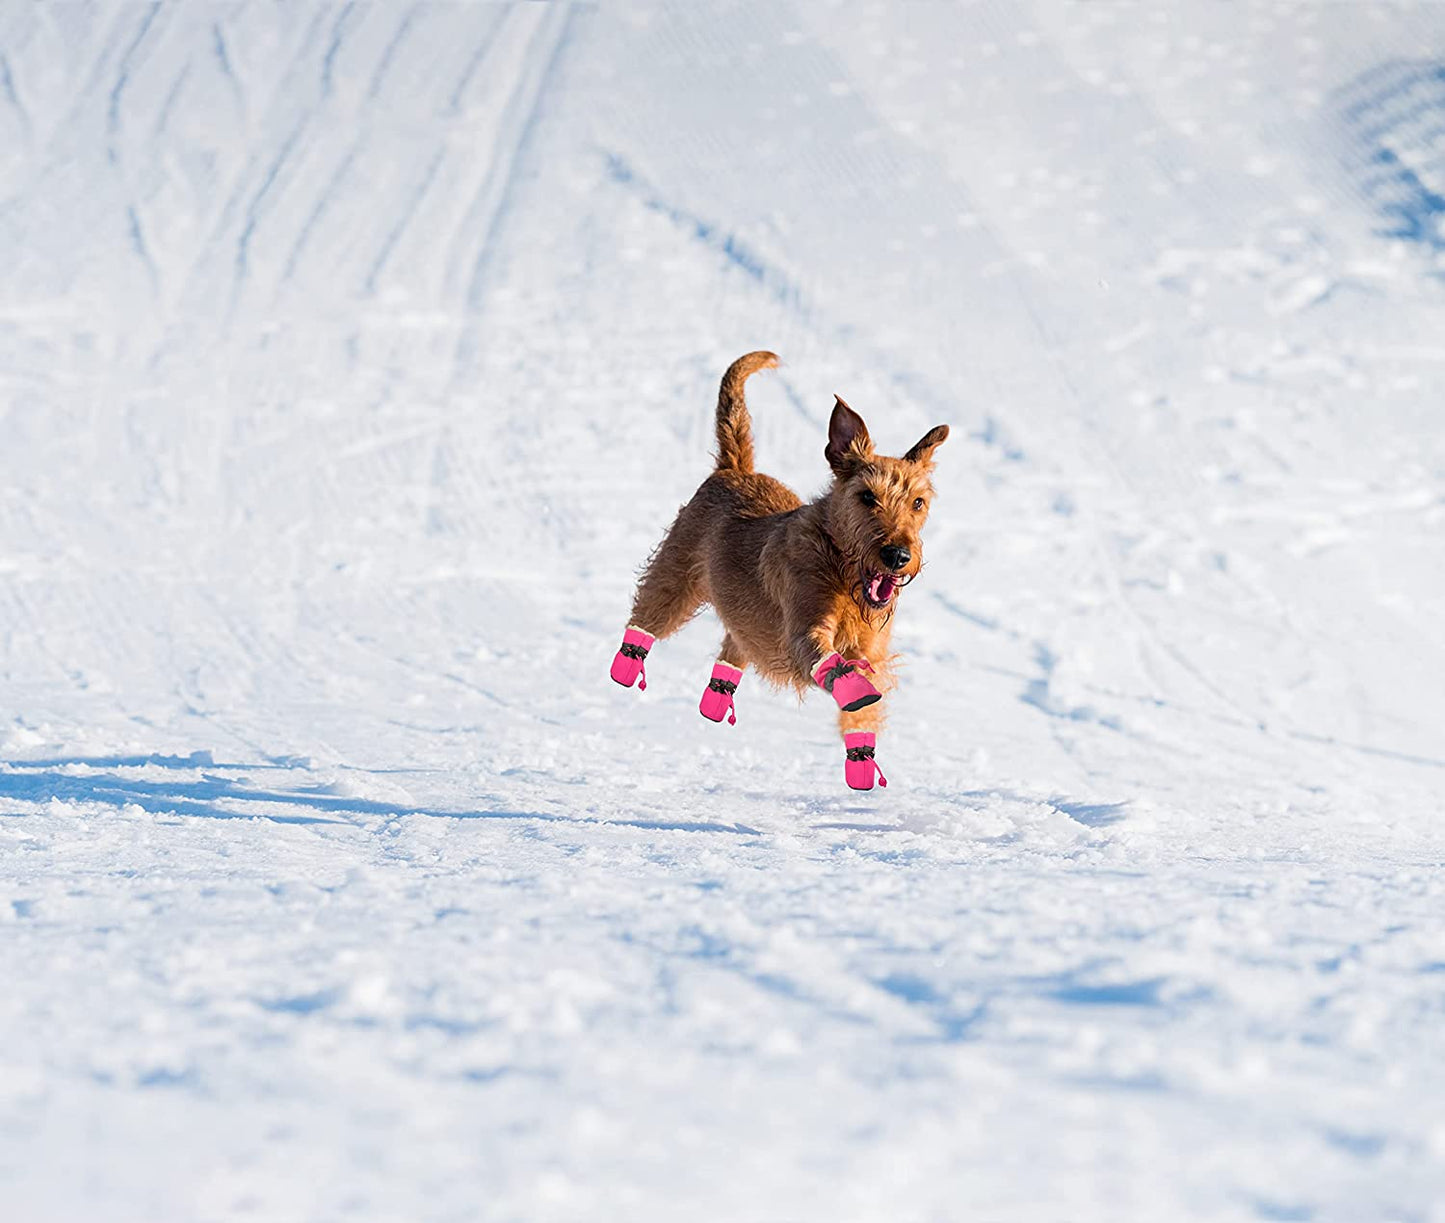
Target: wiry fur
pixel 787 578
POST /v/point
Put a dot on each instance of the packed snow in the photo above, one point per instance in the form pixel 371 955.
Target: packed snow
pixel 353 358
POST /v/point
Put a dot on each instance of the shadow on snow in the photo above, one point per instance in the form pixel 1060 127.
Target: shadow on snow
pixel 217 797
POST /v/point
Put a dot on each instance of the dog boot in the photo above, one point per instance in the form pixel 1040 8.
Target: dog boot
pixel 628 666
pixel 839 677
pixel 860 765
pixel 718 699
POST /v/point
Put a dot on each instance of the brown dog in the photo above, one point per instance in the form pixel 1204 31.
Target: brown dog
pixel 794 583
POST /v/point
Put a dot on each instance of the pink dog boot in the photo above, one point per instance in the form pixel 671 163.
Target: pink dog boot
pixel 840 678
pixel 860 765
pixel 718 699
pixel 628 665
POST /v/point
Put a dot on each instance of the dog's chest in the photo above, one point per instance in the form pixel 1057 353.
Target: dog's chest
pixel 862 637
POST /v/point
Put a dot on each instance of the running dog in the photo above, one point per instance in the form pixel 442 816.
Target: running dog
pixel 806 591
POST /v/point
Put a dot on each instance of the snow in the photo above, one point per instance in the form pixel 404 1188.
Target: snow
pixel 351 361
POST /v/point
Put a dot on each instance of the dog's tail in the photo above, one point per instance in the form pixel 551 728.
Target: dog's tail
pixel 734 425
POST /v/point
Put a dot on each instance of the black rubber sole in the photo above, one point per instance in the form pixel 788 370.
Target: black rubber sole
pixel 862 702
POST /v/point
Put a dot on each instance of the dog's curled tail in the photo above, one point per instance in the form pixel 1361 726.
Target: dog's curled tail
pixel 734 425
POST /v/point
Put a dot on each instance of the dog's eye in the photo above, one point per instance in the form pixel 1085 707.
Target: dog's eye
pixel 917 503
pixel 867 498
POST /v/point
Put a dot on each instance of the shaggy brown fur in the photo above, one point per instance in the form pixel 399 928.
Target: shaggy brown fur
pixel 790 580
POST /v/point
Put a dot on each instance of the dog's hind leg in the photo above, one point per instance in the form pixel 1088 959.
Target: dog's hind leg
pixel 671 588
pixel 668 596
pixel 717 699
pixel 731 653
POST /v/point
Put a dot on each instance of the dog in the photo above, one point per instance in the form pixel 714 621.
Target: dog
pixel 806 591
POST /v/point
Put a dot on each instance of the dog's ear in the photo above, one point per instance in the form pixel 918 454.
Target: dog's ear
pixel 848 440
pixel 923 448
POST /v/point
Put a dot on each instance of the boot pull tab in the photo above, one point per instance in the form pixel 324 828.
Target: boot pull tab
pixel 642 678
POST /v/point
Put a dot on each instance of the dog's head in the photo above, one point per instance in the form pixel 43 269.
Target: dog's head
pixel 878 505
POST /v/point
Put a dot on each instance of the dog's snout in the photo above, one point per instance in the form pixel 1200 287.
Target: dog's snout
pixel 895 556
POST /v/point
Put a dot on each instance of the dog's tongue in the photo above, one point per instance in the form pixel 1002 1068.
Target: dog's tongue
pixel 880 589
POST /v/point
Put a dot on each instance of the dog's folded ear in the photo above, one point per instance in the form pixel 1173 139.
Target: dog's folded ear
pixel 923 448
pixel 848 440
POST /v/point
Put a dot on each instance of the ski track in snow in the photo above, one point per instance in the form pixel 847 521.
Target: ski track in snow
pixel 353 358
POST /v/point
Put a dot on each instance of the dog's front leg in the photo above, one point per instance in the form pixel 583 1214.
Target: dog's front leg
pixel 844 679
pixel 860 738
pixel 820 643
pixel 809 644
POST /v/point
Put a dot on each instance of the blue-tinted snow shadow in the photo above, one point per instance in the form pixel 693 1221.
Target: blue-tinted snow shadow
pixel 195 760
pixel 205 798
pixel 845 826
pixel 1091 815
pixel 1123 993
pixel 1081 987
pixel 211 797
pixel 951 1025
pixel 226 798
pixel 302 1004
pixel 1393 117
pixel 1070 989
pixel 677 826
pixel 1282 1212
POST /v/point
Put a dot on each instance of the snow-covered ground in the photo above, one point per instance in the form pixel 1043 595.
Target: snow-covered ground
pixel 352 359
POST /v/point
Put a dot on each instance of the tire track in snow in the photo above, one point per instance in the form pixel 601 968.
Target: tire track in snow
pixel 528 88
pixel 318 211
pixel 218 46
pixel 478 57
pixel 784 289
pixel 217 212
pixel 163 117
pixel 502 38
pixel 403 219
pixel 375 146
pixel 134 227
pixel 377 77
pixel 253 209
pixel 123 73
pixel 328 61
pixel 142 249
pixel 12 95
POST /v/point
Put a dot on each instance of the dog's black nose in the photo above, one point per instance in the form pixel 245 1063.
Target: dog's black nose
pixel 895 556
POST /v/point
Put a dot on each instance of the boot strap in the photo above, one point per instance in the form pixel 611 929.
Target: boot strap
pixel 844 666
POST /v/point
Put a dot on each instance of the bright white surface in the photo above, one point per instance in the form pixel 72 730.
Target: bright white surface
pixel 352 359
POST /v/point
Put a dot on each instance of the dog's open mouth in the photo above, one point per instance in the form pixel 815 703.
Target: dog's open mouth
pixel 880 587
